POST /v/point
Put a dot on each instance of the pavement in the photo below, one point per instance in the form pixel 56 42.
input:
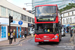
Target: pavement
pixel 18 40
pixel 72 40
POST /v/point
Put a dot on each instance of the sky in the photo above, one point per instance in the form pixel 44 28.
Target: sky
pixel 22 3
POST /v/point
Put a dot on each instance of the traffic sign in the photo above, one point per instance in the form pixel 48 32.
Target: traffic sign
pixel 20 22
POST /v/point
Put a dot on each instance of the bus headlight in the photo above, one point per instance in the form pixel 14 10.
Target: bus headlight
pixel 55 37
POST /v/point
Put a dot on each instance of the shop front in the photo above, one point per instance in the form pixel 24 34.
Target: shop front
pixel 3 29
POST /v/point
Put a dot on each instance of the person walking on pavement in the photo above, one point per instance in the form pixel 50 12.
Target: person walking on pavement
pixel 25 34
pixel 32 33
pixel 22 33
pixel 71 33
pixel 19 33
pixel 11 36
pixel 14 34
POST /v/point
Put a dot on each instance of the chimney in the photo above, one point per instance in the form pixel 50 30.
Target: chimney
pixel 24 8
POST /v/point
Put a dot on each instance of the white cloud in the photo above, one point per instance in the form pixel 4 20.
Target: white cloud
pixel 10 1
pixel 22 5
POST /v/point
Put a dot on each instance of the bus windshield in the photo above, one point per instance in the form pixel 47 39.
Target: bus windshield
pixel 46 11
pixel 46 28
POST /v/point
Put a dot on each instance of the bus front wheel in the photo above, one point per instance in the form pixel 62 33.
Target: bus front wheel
pixel 40 42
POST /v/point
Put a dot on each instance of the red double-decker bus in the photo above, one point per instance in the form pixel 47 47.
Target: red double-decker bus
pixel 47 24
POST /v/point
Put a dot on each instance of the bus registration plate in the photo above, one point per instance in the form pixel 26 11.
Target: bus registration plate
pixel 46 40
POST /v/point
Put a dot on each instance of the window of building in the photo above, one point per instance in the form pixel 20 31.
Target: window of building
pixel 70 13
pixel 3 11
pixel 66 14
pixel 63 21
pixel 70 20
pixel 67 21
pixel 16 15
pixel 29 19
pixel 9 12
pixel 23 17
pixel 73 12
pixel 33 20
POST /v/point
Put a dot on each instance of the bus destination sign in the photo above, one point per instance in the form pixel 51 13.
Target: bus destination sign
pixel 46 19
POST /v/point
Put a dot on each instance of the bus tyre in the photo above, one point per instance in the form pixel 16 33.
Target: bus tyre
pixel 40 43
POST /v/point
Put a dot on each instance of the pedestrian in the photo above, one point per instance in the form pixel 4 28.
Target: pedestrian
pixel 25 34
pixel 74 31
pixel 11 36
pixel 71 34
pixel 22 33
pixel 19 33
pixel 14 35
pixel 32 33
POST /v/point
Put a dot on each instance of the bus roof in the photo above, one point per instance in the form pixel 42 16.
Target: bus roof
pixel 46 5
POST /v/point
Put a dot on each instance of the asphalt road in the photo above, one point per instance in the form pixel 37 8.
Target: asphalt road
pixel 29 44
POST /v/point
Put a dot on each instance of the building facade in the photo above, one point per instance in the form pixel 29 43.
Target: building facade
pixel 60 3
pixel 18 14
pixel 68 17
